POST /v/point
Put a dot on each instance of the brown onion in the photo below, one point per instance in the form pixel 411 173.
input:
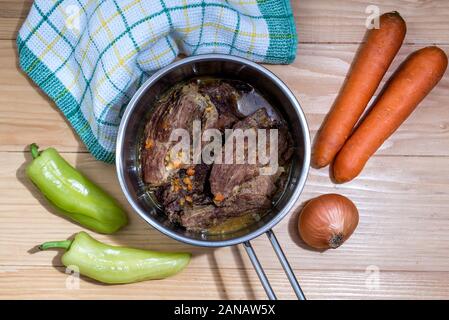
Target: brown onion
pixel 327 221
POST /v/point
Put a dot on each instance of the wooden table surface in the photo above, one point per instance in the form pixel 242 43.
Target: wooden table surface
pixel 399 250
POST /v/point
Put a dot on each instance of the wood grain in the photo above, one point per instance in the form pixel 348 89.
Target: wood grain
pixel 328 21
pixel 26 109
pixel 53 283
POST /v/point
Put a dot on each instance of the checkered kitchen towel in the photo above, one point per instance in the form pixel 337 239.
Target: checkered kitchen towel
pixel 90 56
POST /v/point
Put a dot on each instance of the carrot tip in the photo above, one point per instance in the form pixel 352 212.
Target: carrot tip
pixel 318 163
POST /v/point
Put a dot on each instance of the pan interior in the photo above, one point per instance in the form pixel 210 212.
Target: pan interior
pixel 132 136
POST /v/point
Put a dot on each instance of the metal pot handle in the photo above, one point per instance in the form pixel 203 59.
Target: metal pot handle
pixel 285 265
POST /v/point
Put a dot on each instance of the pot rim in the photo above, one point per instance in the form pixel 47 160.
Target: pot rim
pixel 293 197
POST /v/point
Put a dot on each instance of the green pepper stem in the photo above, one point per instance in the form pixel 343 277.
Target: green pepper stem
pixel 34 150
pixel 64 244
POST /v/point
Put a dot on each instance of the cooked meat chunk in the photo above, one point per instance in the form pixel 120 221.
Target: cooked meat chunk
pixel 258 120
pixel 202 196
pixel 186 188
pixel 253 194
pixel 224 97
pixel 251 197
pixel 200 217
pixel 238 189
pixel 225 178
pixel 178 110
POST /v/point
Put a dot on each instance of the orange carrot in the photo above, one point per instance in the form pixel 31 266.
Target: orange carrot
pixel 413 80
pixel 368 69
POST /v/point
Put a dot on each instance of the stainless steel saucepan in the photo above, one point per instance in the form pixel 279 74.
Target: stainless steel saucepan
pixel 131 132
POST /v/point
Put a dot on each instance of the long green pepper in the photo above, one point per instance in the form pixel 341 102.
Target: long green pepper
pixel 73 194
pixel 115 265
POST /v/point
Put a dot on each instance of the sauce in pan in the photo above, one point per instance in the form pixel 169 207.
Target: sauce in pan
pixel 212 198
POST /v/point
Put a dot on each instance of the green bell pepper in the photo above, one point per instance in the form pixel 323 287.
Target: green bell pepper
pixel 115 265
pixel 73 194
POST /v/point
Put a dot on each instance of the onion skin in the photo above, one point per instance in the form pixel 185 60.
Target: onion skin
pixel 327 221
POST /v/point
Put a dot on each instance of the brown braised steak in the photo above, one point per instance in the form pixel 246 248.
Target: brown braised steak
pixel 176 110
pixel 224 97
pixel 227 177
pixel 202 196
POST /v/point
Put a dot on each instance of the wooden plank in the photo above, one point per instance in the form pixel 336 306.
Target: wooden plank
pixel 12 15
pixel 222 284
pixel 404 218
pixel 325 21
pixel 329 21
pixel 315 78
pixel 403 203
pixel 26 114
